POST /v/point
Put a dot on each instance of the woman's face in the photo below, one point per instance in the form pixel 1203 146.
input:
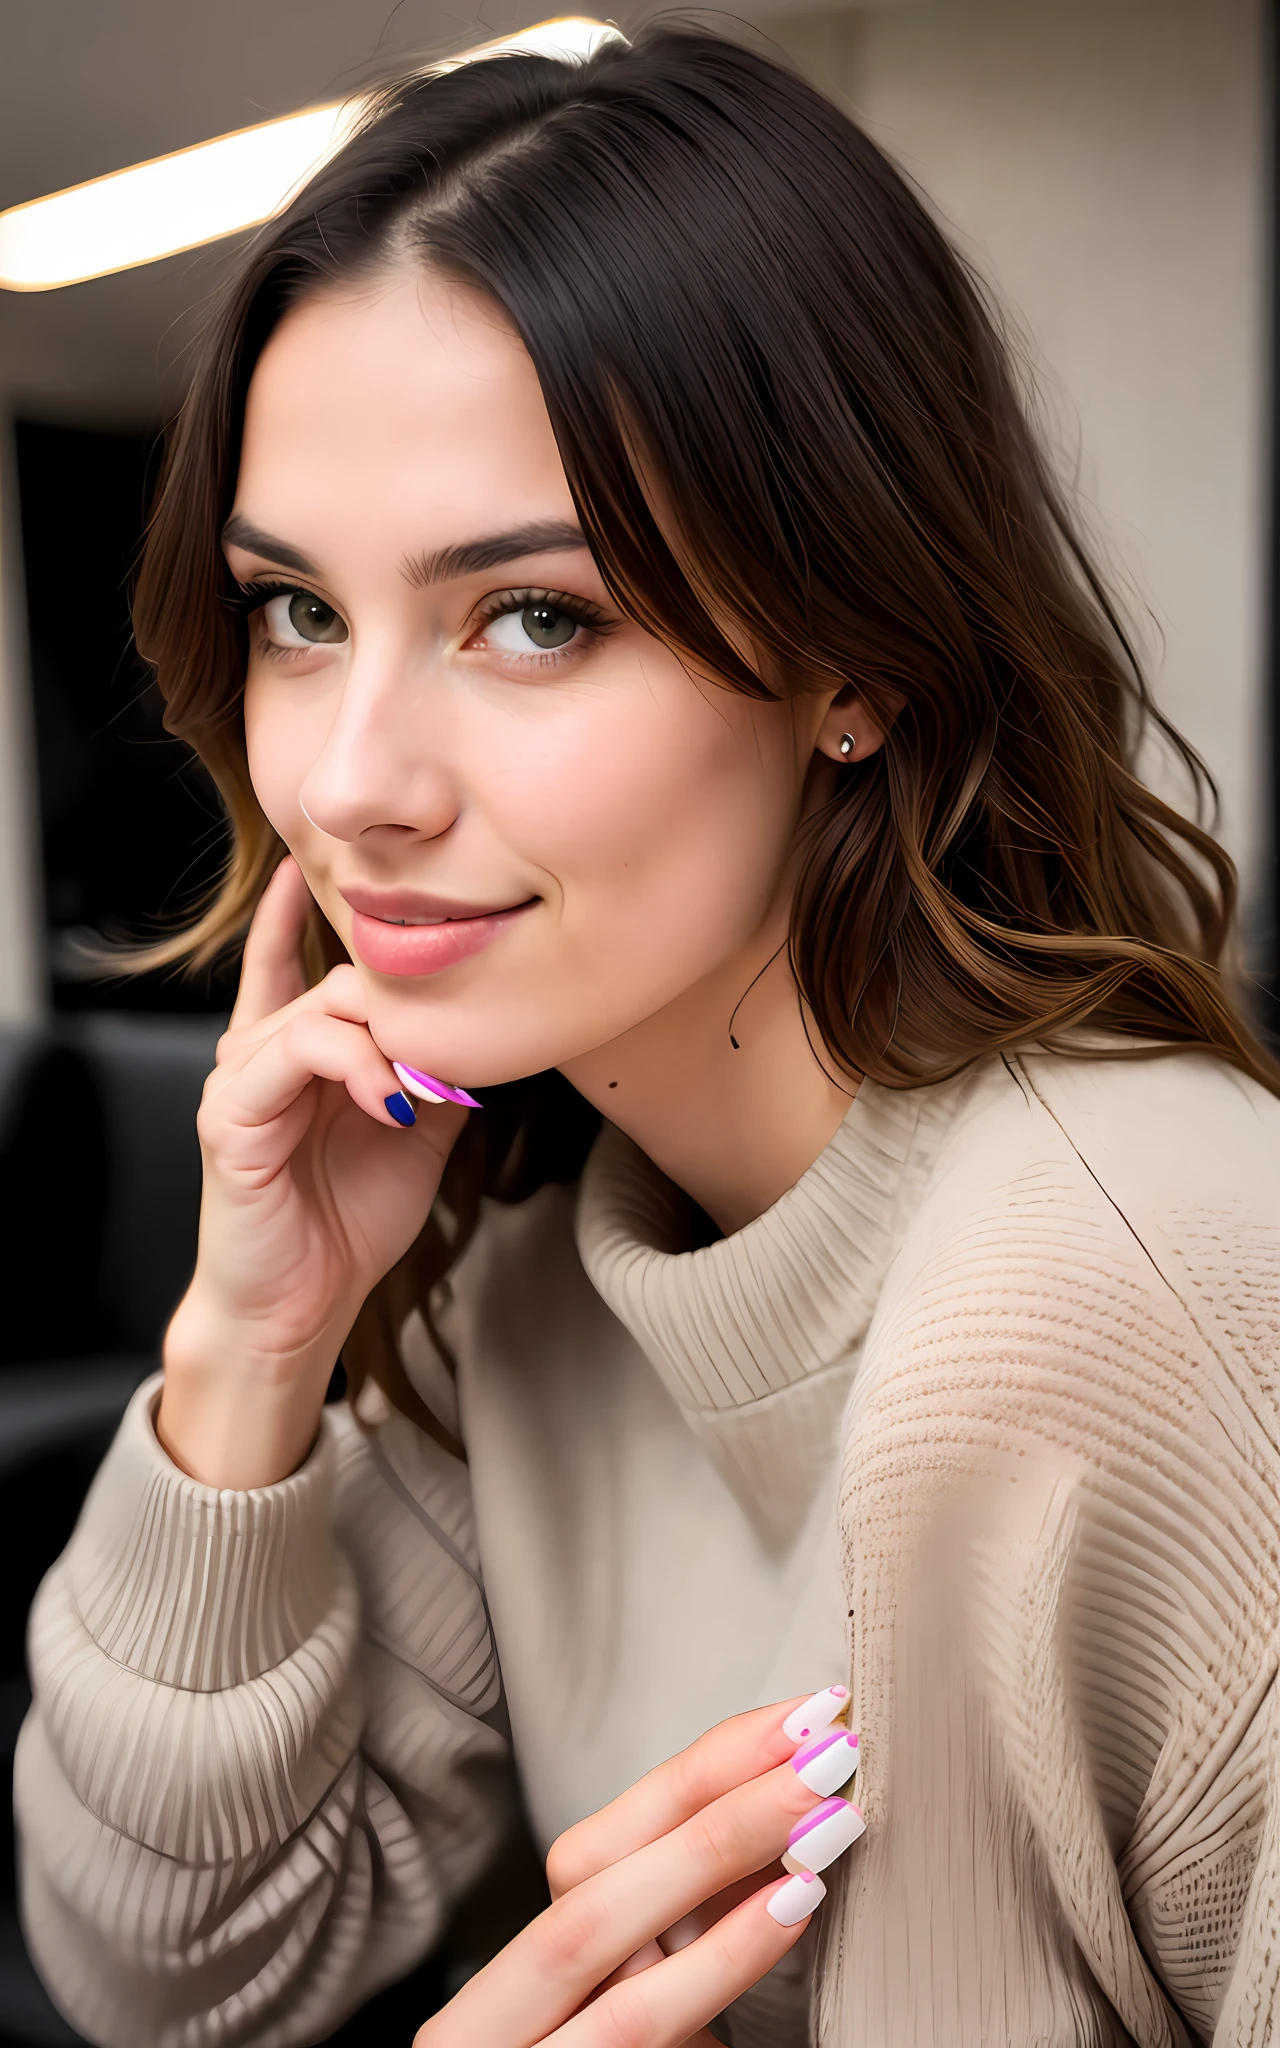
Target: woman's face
pixel 531 825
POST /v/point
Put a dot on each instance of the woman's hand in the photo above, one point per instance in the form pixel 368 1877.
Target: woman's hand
pixel 312 1191
pixel 664 1902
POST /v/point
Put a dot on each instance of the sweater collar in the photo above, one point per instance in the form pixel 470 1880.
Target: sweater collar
pixel 787 1297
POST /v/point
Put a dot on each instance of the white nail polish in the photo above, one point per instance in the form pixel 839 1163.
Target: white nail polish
pixel 796 1900
pixel 823 1835
pixel 410 1082
pixel 817 1713
pixel 828 1763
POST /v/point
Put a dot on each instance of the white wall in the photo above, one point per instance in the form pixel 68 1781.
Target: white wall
pixel 1103 161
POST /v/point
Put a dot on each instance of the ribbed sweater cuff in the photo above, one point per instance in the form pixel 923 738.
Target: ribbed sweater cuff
pixel 195 1586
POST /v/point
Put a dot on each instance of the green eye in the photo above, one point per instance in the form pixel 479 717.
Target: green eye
pixel 524 625
pixel 313 620
pixel 546 625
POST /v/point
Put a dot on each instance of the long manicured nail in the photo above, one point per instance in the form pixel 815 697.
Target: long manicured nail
pixel 827 1764
pixel 400 1108
pixel 796 1899
pixel 823 1835
pixel 817 1712
pixel 431 1090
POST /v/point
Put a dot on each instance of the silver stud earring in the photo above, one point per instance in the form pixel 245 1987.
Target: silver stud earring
pixel 846 744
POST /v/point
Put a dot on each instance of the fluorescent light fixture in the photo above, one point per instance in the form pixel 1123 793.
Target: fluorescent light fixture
pixel 174 202
pixel 214 189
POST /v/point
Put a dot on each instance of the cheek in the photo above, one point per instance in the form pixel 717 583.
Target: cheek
pixel 665 820
pixel 280 748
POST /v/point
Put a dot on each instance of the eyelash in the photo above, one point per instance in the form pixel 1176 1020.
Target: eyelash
pixel 587 616
pixel 250 597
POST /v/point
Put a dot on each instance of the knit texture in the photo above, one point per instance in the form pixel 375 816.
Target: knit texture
pixel 1006 1359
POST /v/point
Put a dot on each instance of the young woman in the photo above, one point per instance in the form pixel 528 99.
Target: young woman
pixel 655 682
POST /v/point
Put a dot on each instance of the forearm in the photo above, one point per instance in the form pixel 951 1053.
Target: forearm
pixel 216 1766
pixel 144 1949
pixel 236 1411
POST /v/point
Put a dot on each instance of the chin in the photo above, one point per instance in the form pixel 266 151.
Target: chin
pixel 447 1046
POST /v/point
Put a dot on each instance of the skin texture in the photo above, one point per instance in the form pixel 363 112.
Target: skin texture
pixel 419 753
pixel 650 812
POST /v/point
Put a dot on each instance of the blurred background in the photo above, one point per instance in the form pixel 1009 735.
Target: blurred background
pixel 1107 165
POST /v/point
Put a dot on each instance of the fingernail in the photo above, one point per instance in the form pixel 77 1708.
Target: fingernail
pixel 431 1090
pixel 823 1835
pixel 796 1899
pixel 827 1764
pixel 401 1108
pixel 817 1712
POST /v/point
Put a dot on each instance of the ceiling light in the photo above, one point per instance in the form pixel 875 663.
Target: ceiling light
pixel 214 189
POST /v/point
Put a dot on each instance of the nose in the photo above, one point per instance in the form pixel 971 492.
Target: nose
pixel 381 768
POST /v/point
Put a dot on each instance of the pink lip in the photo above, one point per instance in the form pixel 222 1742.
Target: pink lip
pixel 401 906
pixel 426 948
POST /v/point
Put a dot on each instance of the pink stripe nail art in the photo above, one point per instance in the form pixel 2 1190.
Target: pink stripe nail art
pixel 430 1090
pixel 823 1835
pixel 816 1713
pixel 812 1749
pixel 827 1811
pixel 827 1764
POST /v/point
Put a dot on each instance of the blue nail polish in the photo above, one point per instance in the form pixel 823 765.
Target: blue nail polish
pixel 401 1108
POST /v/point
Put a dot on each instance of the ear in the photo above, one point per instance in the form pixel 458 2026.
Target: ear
pixel 848 720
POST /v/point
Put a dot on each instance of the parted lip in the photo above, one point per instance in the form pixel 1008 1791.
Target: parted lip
pixel 413 906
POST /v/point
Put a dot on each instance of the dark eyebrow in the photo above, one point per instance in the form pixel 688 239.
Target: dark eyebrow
pixel 240 533
pixel 469 557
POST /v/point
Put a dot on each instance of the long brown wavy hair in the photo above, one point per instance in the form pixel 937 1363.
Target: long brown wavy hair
pixel 710 263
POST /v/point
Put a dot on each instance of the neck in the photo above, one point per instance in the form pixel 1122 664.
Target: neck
pixel 734 1128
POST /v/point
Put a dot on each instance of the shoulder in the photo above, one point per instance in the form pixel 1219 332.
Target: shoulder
pixel 1163 1129
pixel 1062 1460
pixel 1097 1233
pixel 1176 1153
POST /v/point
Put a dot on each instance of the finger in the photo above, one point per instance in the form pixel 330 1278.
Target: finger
pixel 663 2006
pixel 271 972
pixel 558 1960
pixel 711 1910
pixel 312 1047
pixel 725 1756
pixel 643 1959
pixel 340 994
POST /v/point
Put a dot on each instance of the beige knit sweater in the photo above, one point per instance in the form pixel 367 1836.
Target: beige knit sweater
pixel 995 1384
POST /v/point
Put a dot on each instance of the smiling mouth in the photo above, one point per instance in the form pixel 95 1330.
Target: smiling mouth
pixel 413 946
pixel 467 917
